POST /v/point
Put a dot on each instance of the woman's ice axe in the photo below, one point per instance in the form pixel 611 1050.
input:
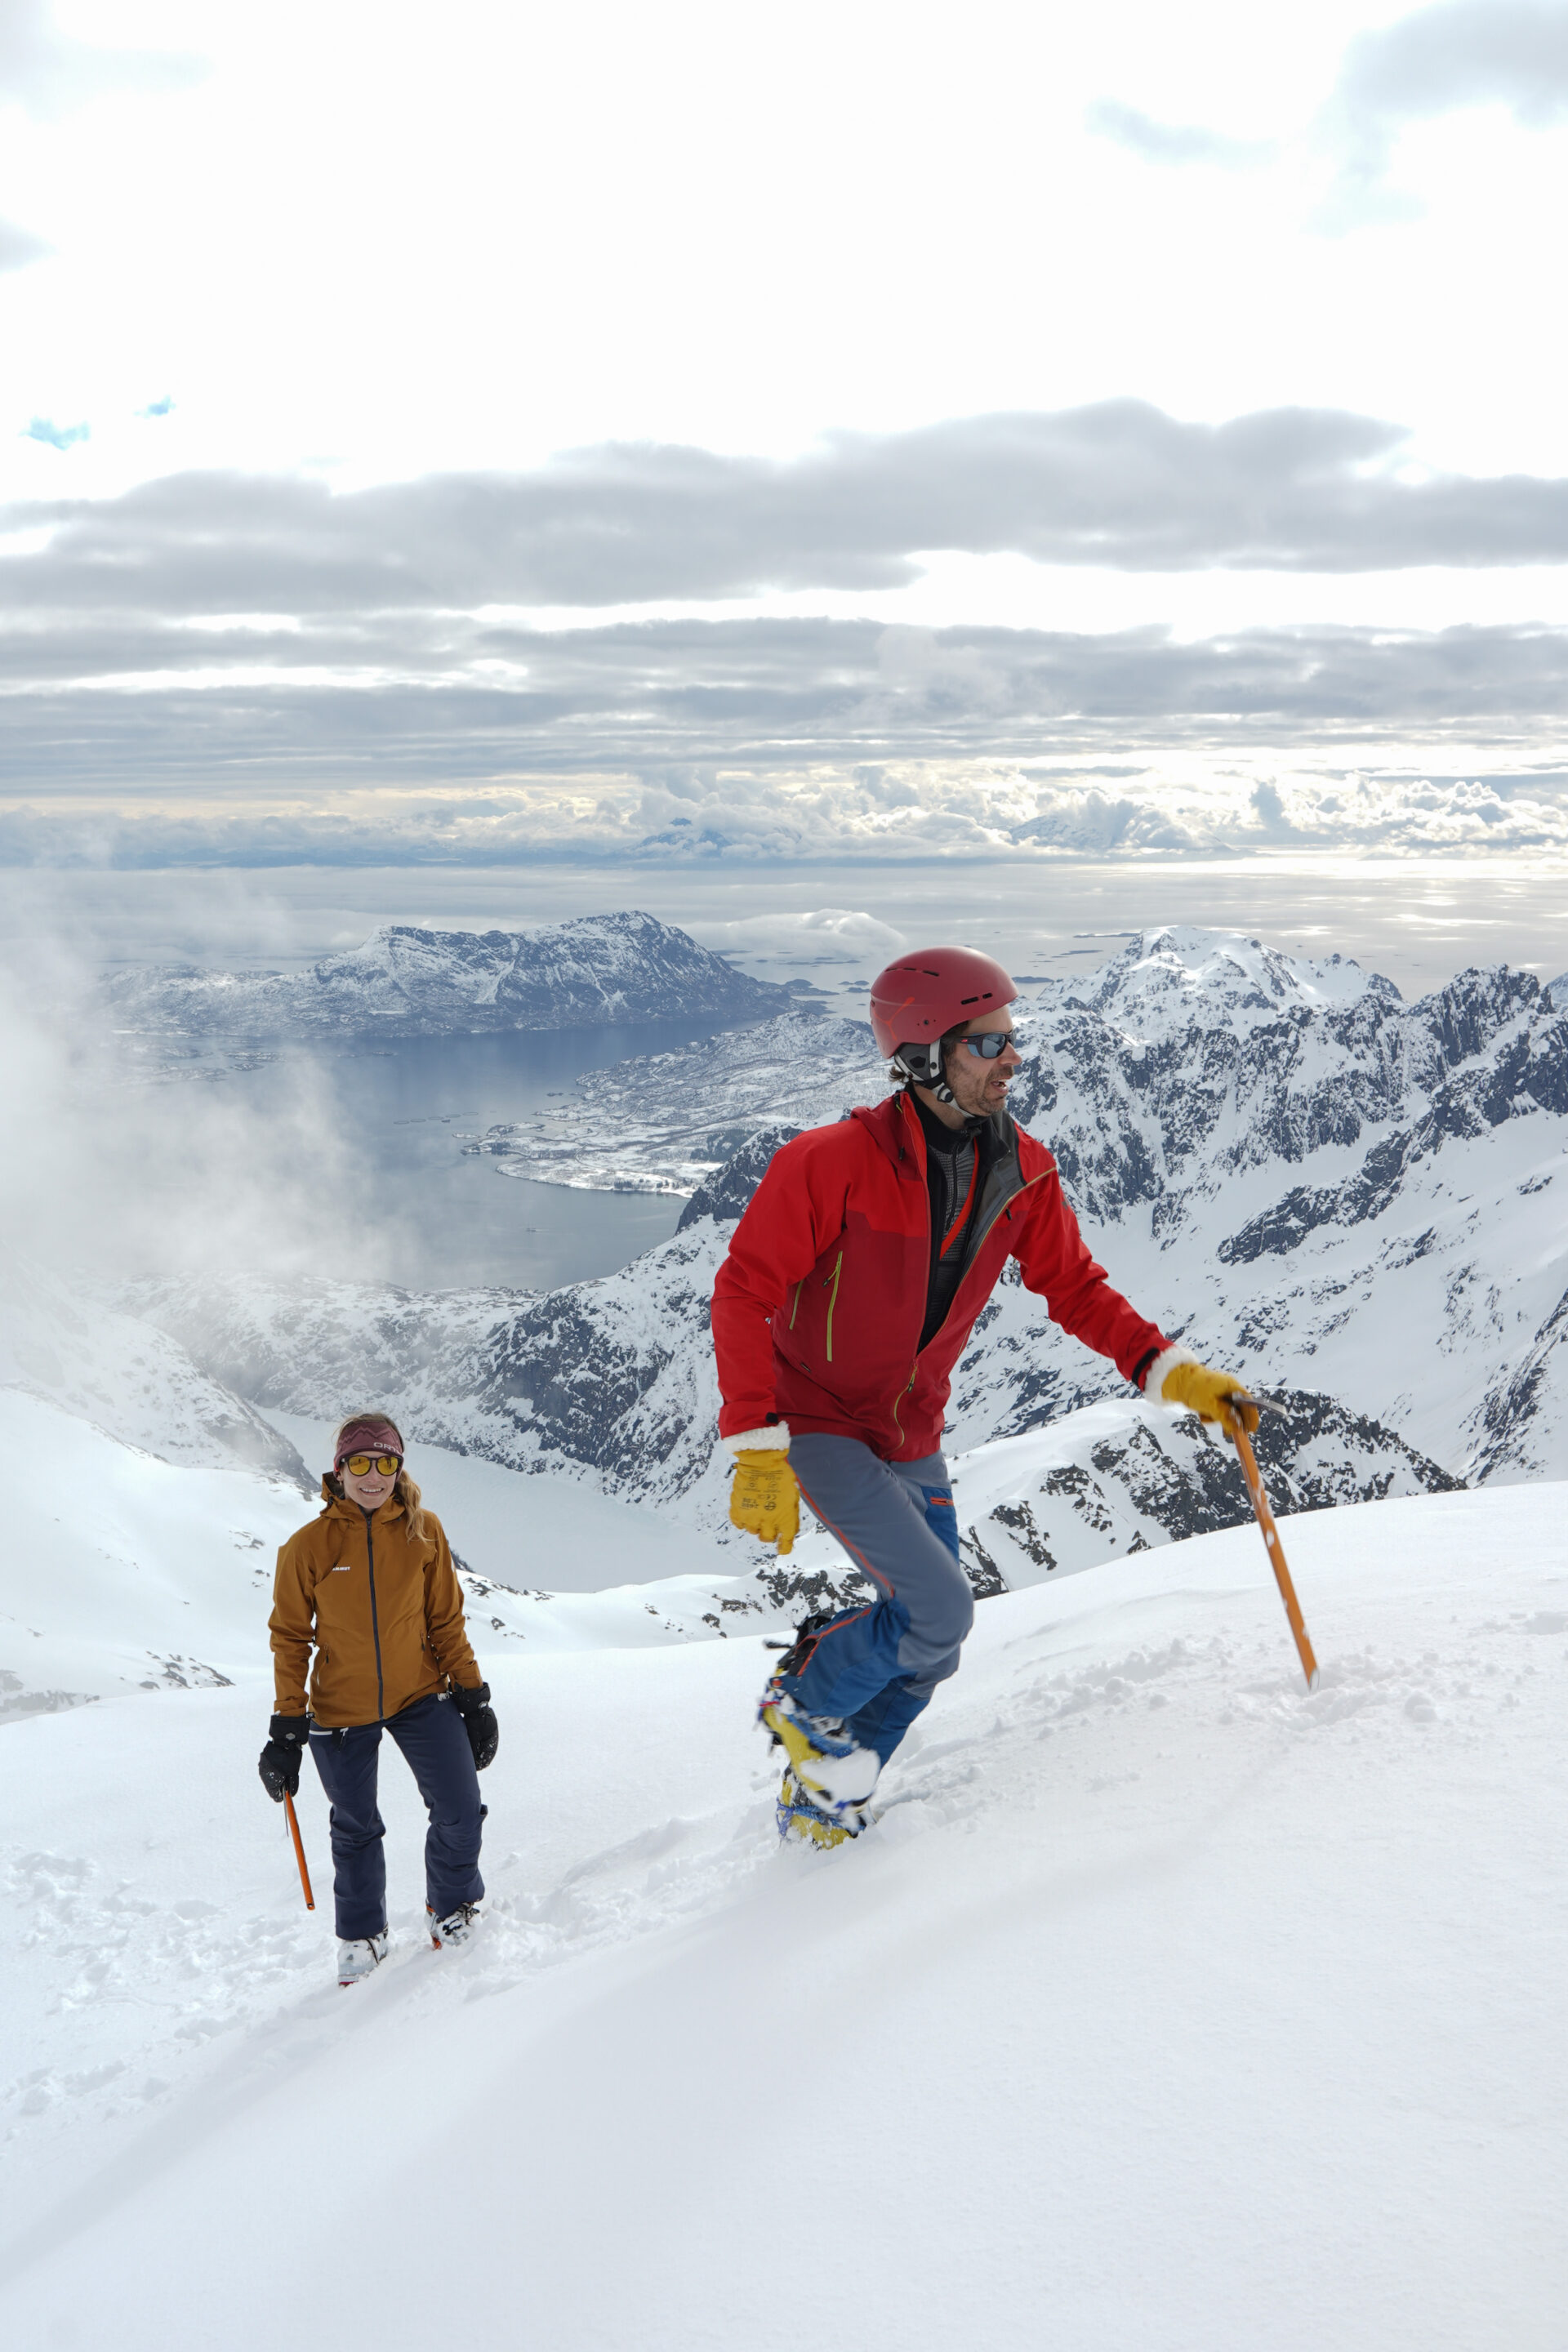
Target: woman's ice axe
pixel 299 1850
pixel 1250 1471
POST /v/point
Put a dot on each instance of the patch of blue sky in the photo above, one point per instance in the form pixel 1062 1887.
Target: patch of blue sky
pixel 57 437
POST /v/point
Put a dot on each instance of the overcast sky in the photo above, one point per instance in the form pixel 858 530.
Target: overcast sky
pixel 729 427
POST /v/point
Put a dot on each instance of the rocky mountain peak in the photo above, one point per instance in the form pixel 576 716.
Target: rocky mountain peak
pixel 1170 979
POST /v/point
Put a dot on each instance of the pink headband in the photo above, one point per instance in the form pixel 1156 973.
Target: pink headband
pixel 372 1436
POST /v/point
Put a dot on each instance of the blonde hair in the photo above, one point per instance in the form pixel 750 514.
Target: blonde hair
pixel 404 1489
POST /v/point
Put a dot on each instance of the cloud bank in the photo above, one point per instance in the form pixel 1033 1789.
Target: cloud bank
pixel 1450 58
pixel 209 644
pixel 1118 483
pixel 878 814
pixel 1456 55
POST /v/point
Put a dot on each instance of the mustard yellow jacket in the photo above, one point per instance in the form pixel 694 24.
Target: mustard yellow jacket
pixel 382 1613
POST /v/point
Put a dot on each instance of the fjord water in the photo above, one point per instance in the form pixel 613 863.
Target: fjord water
pixel 449 1219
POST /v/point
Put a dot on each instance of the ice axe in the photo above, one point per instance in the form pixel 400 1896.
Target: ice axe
pixel 298 1849
pixel 1276 1550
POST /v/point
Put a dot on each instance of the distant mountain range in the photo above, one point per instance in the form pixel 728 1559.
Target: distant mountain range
pixel 599 971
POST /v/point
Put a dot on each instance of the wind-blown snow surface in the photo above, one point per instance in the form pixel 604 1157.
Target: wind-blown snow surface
pixel 1166 2008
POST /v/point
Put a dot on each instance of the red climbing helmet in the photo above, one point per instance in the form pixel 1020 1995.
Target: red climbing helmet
pixel 920 997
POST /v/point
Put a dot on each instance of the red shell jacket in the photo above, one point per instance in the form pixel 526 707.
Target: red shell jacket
pixel 818 1306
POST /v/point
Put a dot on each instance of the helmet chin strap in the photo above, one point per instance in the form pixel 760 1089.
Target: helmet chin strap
pixel 923 1064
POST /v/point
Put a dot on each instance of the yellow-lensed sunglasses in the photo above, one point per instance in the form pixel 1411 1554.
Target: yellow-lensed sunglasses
pixel 358 1465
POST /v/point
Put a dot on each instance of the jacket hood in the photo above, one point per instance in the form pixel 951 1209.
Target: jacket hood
pixel 896 1133
pixel 896 1126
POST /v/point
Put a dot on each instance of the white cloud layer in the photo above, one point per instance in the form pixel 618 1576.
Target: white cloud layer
pixel 1119 483
pixel 1454 57
pixel 886 812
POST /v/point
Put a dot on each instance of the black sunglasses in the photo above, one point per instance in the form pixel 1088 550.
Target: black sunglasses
pixel 991 1046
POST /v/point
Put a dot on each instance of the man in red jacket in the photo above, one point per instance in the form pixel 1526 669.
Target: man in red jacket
pixel 849 1294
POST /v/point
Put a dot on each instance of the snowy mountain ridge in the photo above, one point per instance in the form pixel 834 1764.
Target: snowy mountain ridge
pixel 404 982
pixel 1283 1163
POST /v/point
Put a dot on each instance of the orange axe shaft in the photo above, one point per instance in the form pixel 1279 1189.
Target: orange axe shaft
pixel 1276 1551
pixel 299 1850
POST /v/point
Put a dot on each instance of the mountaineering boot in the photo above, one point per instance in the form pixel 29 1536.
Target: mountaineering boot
pixel 806 1824
pixel 835 1775
pixel 358 1957
pixel 456 1928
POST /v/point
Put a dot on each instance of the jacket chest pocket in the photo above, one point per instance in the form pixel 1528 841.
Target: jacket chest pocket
pixel 814 1303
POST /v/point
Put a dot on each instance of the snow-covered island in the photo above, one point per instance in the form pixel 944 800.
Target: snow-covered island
pixel 597 970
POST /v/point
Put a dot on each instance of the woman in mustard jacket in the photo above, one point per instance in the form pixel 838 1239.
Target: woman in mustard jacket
pixel 369 1587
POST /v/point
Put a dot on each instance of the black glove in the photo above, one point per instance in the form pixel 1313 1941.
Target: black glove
pixel 279 1761
pixel 480 1722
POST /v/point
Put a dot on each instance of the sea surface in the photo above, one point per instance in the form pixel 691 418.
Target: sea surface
pixel 444 1218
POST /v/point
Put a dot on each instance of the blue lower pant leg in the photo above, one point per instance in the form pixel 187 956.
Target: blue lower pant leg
pixel 876 1667
pixel 431 1736
pixel 346 1763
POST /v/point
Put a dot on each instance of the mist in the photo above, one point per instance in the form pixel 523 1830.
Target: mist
pixel 115 1165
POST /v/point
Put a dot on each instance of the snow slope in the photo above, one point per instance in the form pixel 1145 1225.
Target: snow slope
pixel 123 1573
pixel 1167 2007
pixel 63 1344
pixel 539 1534
pixel 126 1573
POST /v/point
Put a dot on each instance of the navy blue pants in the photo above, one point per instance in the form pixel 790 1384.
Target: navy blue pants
pixel 431 1735
pixel 876 1667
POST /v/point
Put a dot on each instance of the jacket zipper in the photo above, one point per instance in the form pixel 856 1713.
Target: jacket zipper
pixel 795 1311
pixel 832 1301
pixel 897 1420
pixel 374 1623
pixel 1002 1209
pixel 915 1367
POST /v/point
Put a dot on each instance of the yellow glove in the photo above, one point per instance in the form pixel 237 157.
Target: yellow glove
pixel 764 1499
pixel 1207 1393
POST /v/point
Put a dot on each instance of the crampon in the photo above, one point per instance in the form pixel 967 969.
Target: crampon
pixel 828 1783
pixel 802 1823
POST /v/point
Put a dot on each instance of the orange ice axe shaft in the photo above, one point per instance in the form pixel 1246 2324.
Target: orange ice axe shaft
pixel 1276 1551
pixel 300 1848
